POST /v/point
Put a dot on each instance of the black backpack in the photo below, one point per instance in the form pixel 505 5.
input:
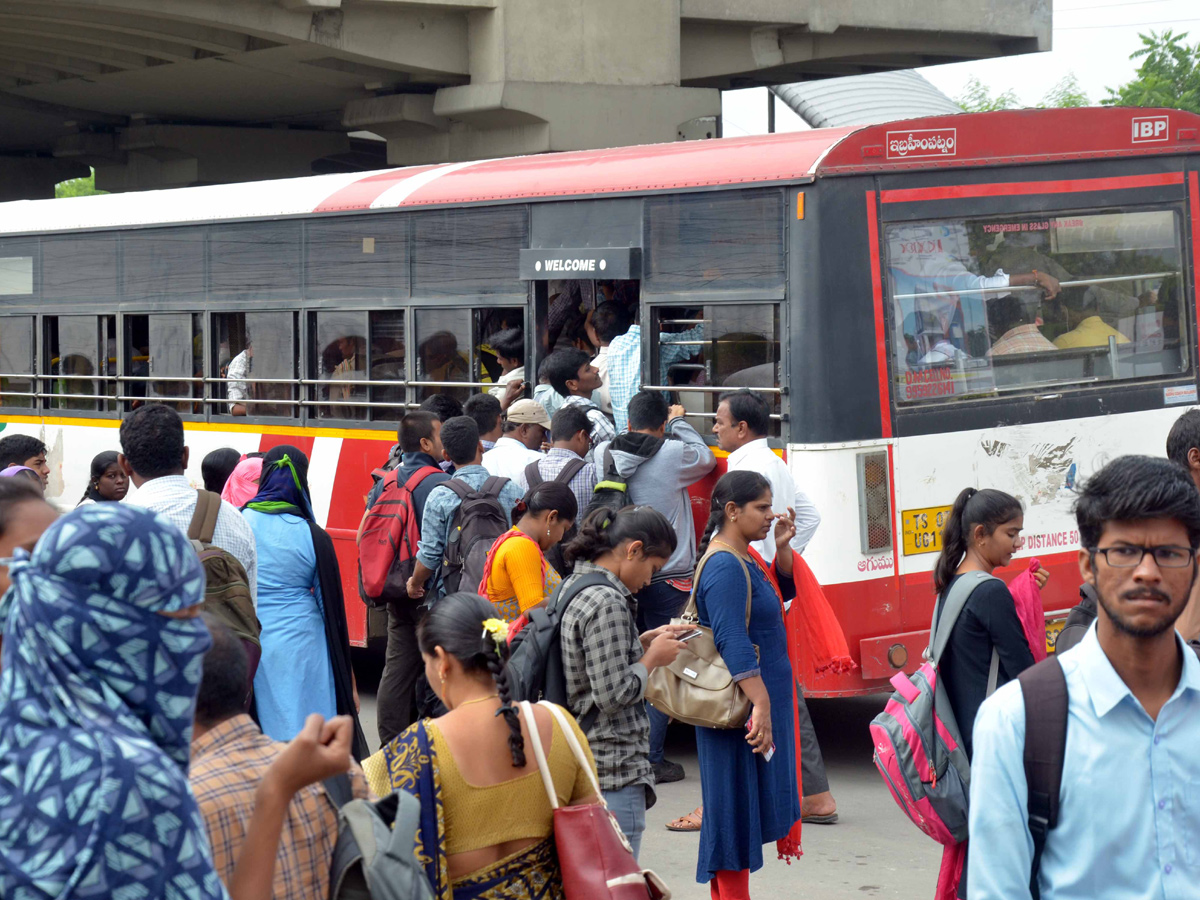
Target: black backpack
pixel 478 522
pixel 1079 620
pixel 611 491
pixel 1044 690
pixel 555 554
pixel 535 664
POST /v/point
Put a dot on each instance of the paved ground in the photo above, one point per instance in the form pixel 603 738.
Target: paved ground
pixel 873 852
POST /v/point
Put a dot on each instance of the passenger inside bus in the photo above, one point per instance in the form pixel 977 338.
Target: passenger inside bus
pixel 1018 327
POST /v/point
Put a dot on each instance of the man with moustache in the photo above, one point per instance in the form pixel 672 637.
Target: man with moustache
pixel 1129 803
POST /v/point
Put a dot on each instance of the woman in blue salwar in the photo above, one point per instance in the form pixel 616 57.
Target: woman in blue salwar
pixel 747 776
pixel 305 665
pixel 486 828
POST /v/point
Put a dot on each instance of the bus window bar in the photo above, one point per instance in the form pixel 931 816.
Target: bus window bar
pixel 1083 282
pixel 75 377
pixel 711 390
pixel 685 321
pixel 225 401
pixel 246 380
pixel 187 378
pixel 456 384
pixel 366 404
pixel 712 415
pixel 693 366
pixel 88 397
pixel 342 382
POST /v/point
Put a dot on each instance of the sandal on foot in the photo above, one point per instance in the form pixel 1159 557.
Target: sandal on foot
pixel 690 822
pixel 828 819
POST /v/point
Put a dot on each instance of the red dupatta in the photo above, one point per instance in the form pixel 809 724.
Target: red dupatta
pixel 825 641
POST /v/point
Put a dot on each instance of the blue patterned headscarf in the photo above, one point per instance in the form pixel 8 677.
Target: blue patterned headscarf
pixel 97 696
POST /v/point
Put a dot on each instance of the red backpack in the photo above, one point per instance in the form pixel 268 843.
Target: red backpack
pixel 387 544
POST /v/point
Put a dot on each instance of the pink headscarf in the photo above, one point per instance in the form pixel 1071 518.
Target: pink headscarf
pixel 243 482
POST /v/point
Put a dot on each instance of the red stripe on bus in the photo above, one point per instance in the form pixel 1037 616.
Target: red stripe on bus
pixel 885 417
pixel 1194 203
pixel 302 443
pixel 362 193
pixel 897 545
pixel 1074 185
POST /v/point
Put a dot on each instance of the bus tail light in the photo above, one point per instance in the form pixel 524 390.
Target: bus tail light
pixel 874 509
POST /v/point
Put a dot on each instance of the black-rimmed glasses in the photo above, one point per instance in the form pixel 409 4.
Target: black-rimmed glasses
pixel 1128 556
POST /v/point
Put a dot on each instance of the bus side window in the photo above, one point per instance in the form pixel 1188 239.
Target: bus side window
pixel 255 364
pixel 698 353
pixel 81 362
pixel 16 360
pixel 338 359
pixel 443 352
pixel 158 349
pixel 386 333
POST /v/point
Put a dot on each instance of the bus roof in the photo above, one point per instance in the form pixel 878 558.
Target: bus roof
pixel 968 140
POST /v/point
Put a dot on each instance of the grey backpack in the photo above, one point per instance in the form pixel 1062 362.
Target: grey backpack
pixel 374 858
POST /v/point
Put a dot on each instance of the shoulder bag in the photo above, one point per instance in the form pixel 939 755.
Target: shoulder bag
pixel 595 858
pixel 698 688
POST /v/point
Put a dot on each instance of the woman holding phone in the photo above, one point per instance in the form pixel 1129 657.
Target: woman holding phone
pixel 747 777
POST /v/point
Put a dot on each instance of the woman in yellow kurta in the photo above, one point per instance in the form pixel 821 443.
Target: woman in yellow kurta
pixel 486 830
pixel 517 576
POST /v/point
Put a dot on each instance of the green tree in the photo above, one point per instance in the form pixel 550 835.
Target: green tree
pixel 1067 93
pixel 1168 76
pixel 977 98
pixel 77 187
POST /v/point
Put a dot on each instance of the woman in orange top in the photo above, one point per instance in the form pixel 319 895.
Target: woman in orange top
pixel 517 577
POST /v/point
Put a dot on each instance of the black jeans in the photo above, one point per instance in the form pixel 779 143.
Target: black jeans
pixel 397 699
pixel 812 765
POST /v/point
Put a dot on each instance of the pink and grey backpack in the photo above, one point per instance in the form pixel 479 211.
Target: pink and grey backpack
pixel 918 750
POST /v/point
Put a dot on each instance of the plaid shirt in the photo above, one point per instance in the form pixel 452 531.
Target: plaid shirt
pixel 625 365
pixel 228 762
pixel 1022 339
pixel 602 426
pixel 582 485
pixel 601 654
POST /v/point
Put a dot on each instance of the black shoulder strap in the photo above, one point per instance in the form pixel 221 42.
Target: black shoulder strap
pixel 569 471
pixel 532 475
pixel 568 590
pixel 1044 690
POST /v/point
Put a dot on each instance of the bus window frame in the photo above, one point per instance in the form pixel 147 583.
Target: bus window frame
pixel 33 378
pixel 1029 203
pixel 211 403
pixel 42 358
pixel 481 302
pixel 716 298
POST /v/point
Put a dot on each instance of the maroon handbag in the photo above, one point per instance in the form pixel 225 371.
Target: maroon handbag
pixel 595 858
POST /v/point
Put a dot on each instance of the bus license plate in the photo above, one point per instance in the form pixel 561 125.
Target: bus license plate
pixel 923 529
pixel 1053 629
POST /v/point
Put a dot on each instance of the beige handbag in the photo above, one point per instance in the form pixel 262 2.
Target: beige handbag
pixel 698 688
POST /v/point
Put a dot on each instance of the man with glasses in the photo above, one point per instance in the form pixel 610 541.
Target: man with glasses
pixel 1128 820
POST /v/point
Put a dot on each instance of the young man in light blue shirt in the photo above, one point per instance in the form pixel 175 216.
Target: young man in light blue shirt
pixel 1129 805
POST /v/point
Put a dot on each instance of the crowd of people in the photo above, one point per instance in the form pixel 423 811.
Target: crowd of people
pixel 179 713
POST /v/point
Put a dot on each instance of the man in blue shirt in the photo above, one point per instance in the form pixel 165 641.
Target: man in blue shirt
pixel 1129 814
pixel 460 443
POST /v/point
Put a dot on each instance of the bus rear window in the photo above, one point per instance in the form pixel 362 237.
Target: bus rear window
pixel 989 306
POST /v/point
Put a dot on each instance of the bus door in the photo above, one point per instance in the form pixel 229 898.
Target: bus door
pixel 1039 322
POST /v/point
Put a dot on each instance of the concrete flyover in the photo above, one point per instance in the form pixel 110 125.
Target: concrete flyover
pixel 167 93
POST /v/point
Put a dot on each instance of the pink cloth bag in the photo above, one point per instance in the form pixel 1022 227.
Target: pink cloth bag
pixel 1028 599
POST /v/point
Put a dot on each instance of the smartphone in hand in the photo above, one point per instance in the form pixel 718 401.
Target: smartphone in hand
pixel 687 636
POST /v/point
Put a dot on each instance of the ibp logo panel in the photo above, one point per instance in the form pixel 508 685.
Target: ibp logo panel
pixel 1148 129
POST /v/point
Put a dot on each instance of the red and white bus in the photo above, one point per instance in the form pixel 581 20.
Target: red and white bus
pixel 885 287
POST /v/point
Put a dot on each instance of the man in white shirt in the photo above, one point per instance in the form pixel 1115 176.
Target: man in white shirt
pixel 155 458
pixel 741 427
pixel 236 389
pixel 509 347
pixel 526 426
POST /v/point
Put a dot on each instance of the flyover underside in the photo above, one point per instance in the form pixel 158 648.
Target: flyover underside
pixel 166 93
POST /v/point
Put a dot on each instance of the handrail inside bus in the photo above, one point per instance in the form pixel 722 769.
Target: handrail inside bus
pixel 699 388
pixel 1034 287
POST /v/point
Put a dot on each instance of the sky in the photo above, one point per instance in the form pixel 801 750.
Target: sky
pixel 1092 39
